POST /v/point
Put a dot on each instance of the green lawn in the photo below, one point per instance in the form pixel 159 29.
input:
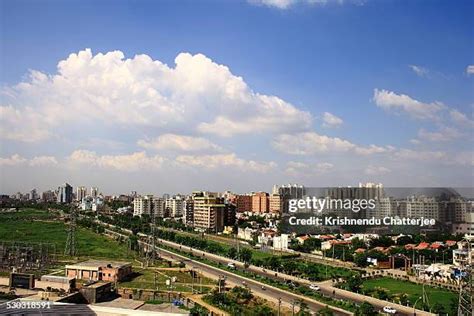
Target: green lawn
pixel 89 244
pixel 27 214
pixel 413 290
pixel 145 279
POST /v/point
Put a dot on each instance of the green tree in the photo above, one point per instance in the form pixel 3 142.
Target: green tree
pixel 245 255
pixel 326 311
pixel 438 309
pixel 365 309
pixel 232 253
pixel 354 283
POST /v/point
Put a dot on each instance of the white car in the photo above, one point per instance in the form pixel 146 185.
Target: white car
pixel 314 287
pixel 389 310
pixel 231 265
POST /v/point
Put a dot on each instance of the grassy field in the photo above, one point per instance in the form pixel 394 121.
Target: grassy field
pixel 145 279
pixel 414 291
pixel 38 226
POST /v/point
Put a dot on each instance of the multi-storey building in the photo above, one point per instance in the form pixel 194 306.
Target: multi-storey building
pixel 422 206
pixel 64 193
pixel 289 192
pixel 175 205
pixel 188 216
pixel 48 196
pixel 209 211
pixel 276 202
pixel 33 195
pixel 243 203
pixel 260 202
pixel 94 192
pixel 81 193
pixel 159 207
pixel 142 205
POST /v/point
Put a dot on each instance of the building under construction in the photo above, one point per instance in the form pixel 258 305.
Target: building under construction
pixel 26 256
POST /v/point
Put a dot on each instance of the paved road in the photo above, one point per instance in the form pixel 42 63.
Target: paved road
pixel 270 293
pixel 325 289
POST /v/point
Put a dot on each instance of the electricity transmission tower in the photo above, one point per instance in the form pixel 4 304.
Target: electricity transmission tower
pixel 151 253
pixel 466 281
pixel 70 249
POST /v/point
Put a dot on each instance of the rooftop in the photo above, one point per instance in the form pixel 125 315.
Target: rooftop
pixel 95 264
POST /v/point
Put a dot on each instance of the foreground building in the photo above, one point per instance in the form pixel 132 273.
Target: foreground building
pixel 209 211
pixel 97 270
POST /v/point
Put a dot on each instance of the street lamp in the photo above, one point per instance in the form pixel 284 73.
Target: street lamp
pixel 414 306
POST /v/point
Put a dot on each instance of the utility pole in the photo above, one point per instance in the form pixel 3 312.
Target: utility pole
pixel 151 255
pixel 70 249
pixel 279 306
pixel 466 281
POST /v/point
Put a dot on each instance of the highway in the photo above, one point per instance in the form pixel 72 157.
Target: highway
pixel 272 293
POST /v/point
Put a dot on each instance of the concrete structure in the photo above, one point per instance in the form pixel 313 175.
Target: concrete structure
pixel 159 207
pixel 94 192
pixel 422 206
pixel 276 203
pixel 260 202
pixel 64 193
pixel 175 205
pixel 209 211
pixel 142 205
pixel 243 203
pixel 97 270
pixel 81 193
pixel 48 196
pixel 188 216
pixel 97 292
pixel 280 242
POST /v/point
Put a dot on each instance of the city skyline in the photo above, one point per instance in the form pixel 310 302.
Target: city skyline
pixel 203 101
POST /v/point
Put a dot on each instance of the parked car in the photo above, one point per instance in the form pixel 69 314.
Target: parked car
pixel 389 310
pixel 314 287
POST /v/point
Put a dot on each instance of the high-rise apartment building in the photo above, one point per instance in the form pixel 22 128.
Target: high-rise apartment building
pixel 276 203
pixel 159 207
pixel 81 193
pixel 175 205
pixel 94 192
pixel 48 196
pixel 64 193
pixel 209 211
pixel 188 216
pixel 260 202
pixel 243 203
pixel 142 205
pixel 422 206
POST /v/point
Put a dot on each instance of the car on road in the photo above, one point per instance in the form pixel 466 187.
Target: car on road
pixel 314 287
pixel 389 310
pixel 231 265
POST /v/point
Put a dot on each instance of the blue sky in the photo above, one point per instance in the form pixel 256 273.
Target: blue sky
pixel 316 57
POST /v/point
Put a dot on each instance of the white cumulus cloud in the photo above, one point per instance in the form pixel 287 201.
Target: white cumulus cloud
pixel 225 160
pixel 470 70
pixel 443 135
pixel 297 168
pixel 331 120
pixel 310 143
pixel 419 71
pixel 176 142
pixel 127 162
pixel 111 90
pixel 376 170
pixel 392 101
pixel 16 160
